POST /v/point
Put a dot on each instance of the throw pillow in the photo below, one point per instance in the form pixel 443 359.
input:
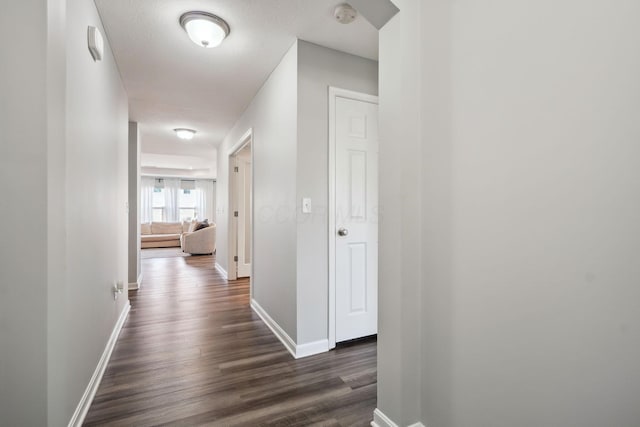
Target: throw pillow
pixel 201 225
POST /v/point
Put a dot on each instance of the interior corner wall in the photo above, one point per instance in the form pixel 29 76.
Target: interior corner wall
pixel 318 68
pixel 273 117
pixel 56 206
pixel 211 203
pixel 23 173
pixel 63 164
pixel 437 251
pixel 529 239
pixel 95 194
pixel 399 290
pixel 134 203
pixel 546 196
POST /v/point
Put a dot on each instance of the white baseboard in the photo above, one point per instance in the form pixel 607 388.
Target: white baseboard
pixel 275 328
pixel 381 420
pixel 87 398
pixel 297 351
pixel 136 285
pixel 222 271
pixel 311 348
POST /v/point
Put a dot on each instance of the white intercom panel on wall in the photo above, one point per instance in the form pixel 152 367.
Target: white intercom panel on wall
pixel 96 43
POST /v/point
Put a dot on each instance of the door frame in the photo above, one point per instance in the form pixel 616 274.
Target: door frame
pixel 334 94
pixel 232 274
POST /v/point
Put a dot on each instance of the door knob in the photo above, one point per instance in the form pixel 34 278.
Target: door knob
pixel 343 232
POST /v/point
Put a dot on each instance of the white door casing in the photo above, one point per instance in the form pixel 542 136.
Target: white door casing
pixel 354 212
pixel 243 206
pixel 234 202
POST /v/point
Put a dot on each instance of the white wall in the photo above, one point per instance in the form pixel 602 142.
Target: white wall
pixel 65 165
pixel 289 117
pixel 194 166
pixel 272 115
pixel 437 250
pixel 319 68
pixel 211 203
pixel 23 180
pixel 56 205
pixel 529 241
pixel 214 206
pixel 546 185
pixel 134 203
pixel 399 287
pixel 96 218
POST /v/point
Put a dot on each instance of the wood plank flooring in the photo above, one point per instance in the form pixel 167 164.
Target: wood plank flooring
pixel 192 352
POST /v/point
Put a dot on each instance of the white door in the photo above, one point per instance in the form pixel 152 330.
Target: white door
pixel 243 200
pixel 356 221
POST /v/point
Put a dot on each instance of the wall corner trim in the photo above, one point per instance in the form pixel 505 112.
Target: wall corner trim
pixel 87 398
pixel 275 328
pixel 136 285
pixel 311 348
pixel 297 351
pixel 222 271
pixel 381 420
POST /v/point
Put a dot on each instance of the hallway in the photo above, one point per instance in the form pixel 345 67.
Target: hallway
pixel 192 352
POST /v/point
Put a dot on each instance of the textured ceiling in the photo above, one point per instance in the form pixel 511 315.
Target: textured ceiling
pixel 171 82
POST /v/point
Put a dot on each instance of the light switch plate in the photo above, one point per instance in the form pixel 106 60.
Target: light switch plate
pixel 306 205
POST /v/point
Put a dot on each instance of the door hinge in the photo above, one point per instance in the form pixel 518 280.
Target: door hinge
pixel 236 169
pixel 235 258
pixel 235 213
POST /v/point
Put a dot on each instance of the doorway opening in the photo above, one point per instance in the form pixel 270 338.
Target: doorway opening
pixel 241 208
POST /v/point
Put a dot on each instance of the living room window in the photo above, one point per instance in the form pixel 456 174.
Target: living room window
pixel 173 199
pixel 158 205
pixel 187 203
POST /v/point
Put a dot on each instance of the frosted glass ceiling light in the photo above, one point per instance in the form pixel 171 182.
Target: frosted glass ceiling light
pixel 186 134
pixel 204 29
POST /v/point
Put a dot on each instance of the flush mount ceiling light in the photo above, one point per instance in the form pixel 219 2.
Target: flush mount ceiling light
pixel 186 134
pixel 205 29
pixel 345 13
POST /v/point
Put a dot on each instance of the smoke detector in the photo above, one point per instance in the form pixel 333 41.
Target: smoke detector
pixel 345 14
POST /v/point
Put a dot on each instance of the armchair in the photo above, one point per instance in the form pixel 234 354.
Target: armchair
pixel 199 242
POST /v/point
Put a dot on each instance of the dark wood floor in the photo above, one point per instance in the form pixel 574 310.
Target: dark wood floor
pixel 193 353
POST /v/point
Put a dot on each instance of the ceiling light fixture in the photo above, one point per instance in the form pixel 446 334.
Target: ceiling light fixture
pixel 186 134
pixel 205 29
pixel 345 13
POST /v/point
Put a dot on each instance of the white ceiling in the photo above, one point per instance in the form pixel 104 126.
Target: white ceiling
pixel 171 82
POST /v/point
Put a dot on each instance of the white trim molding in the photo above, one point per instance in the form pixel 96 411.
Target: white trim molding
pixel 232 225
pixel 240 143
pixel 335 93
pixel 222 271
pixel 311 348
pixel 381 420
pixel 87 398
pixel 136 285
pixel 297 351
pixel 275 328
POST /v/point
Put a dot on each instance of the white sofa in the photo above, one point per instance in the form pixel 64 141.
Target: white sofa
pixel 161 234
pixel 199 242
